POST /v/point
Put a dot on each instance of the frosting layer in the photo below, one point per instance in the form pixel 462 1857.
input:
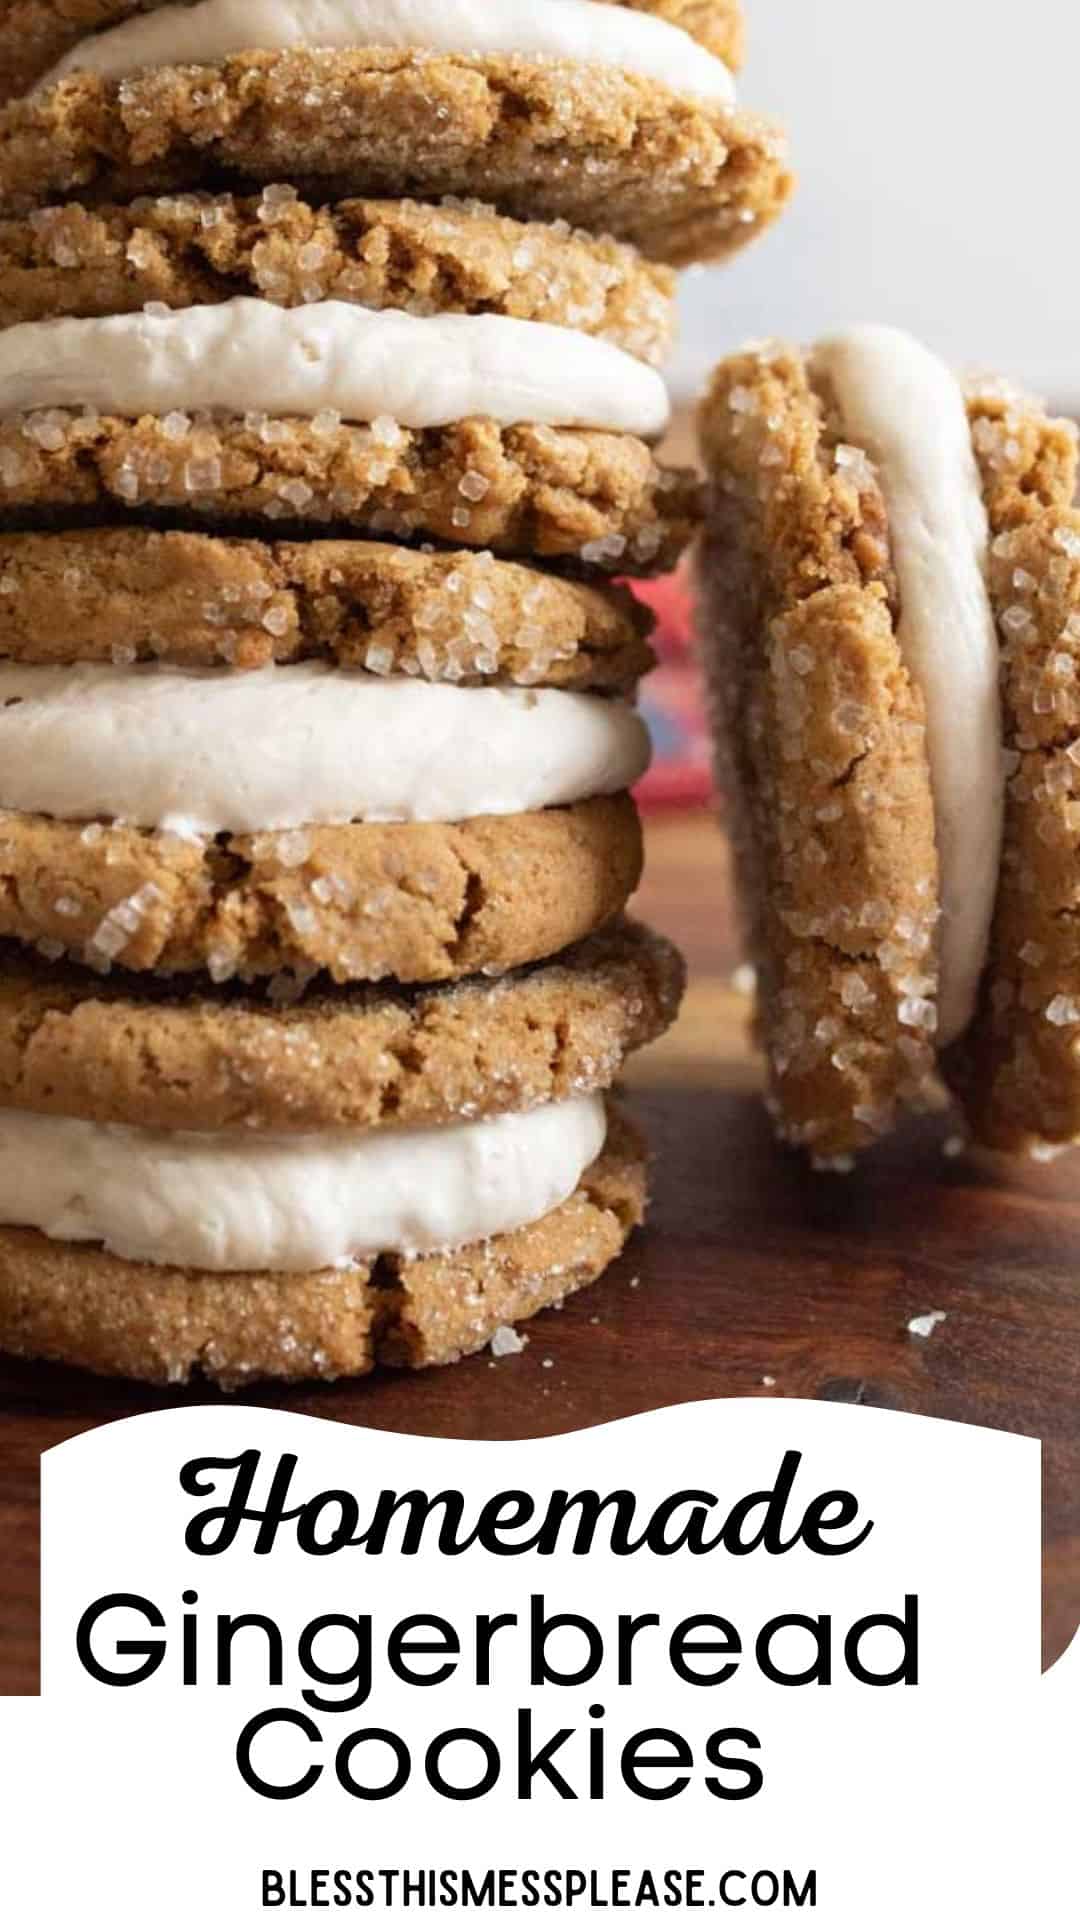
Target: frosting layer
pixel 291 1204
pixel 332 359
pixel 906 410
pixel 204 752
pixel 576 30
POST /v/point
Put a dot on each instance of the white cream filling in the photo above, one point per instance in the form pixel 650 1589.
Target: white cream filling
pixel 577 30
pixel 208 751
pixel 331 359
pixel 249 1202
pixel 905 409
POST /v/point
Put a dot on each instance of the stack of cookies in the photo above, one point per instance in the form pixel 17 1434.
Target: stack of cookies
pixel 891 597
pixel 316 694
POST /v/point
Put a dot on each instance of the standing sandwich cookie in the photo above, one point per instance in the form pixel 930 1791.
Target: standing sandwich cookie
pixel 889 586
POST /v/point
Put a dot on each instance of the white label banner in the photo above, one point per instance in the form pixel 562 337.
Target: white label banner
pixel 292 1666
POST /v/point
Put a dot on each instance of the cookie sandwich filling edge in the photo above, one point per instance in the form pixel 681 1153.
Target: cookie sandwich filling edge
pixel 280 1203
pixel 331 362
pixel 201 751
pixel 581 31
pixel 905 410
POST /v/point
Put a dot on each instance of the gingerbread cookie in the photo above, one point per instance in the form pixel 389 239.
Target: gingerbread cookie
pixel 360 1057
pixel 195 249
pixel 1017 1069
pixel 602 500
pixel 822 754
pixel 679 177
pixel 876 554
pixel 423 902
pixel 200 600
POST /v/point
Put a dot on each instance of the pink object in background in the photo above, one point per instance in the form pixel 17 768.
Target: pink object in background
pixel 673 704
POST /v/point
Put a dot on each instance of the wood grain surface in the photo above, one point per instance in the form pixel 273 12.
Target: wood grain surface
pixel 751 1272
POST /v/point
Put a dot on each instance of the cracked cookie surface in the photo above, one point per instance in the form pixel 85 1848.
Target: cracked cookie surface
pixel 84 1307
pixel 822 753
pixel 600 500
pixel 797 580
pixel 200 600
pixel 605 150
pixel 367 902
pixel 354 1057
pixel 190 249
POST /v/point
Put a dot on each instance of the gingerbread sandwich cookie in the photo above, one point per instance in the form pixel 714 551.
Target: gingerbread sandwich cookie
pixel 409 661
pixel 162 1322
pixel 219 1185
pixel 877 647
pixel 309 817
pixel 603 115
pixel 476 429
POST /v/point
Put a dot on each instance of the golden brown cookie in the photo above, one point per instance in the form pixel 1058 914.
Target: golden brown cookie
pixel 84 1307
pixel 368 902
pixel 199 249
pixel 197 600
pixel 838 861
pixel 34 34
pixel 823 758
pixel 680 178
pixel 601 500
pixel 1017 1070
pixel 344 1057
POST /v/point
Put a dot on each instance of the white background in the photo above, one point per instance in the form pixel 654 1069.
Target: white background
pixel 938 144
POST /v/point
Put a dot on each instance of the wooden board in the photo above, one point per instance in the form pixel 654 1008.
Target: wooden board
pixel 752 1270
